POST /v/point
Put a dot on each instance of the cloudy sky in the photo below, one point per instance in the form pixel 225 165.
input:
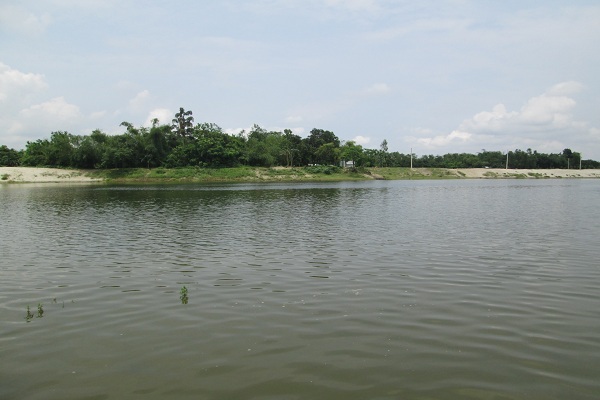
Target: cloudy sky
pixel 434 76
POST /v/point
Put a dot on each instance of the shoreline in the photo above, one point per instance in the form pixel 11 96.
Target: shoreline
pixel 62 175
pixel 44 175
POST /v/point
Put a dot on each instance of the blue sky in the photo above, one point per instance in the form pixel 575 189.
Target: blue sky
pixel 434 76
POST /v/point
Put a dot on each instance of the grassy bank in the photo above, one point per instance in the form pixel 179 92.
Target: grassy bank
pixel 275 174
pixel 239 174
pixel 314 174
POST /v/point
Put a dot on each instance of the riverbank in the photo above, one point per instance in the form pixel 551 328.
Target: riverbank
pixel 247 174
pixel 44 175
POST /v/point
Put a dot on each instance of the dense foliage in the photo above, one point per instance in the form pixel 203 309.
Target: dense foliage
pixel 183 144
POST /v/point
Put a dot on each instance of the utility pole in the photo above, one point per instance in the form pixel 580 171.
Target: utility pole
pixel 506 159
pixel 411 158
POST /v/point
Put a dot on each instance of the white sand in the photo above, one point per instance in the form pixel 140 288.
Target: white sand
pixel 40 175
pixel 528 173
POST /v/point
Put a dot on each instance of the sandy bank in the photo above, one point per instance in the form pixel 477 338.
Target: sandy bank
pixel 527 173
pixel 41 175
pixel 47 175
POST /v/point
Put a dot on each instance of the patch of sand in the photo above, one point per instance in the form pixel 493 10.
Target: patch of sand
pixel 527 173
pixel 41 175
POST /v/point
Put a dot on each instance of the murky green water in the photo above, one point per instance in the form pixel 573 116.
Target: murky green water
pixel 372 290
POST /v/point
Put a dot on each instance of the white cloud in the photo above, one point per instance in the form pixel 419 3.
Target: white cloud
pixel 445 140
pixel 16 85
pixel 18 91
pixel 25 114
pixel 361 140
pixel 237 131
pixel 300 131
pixel 544 123
pixel 549 111
pixel 565 88
pixel 163 115
pixel 490 121
pixel 140 102
pixel 52 113
pixel 39 120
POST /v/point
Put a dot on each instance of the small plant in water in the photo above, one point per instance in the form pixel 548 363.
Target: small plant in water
pixel 40 312
pixel 183 295
pixel 29 315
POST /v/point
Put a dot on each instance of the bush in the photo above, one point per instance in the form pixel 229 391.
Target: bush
pixel 322 169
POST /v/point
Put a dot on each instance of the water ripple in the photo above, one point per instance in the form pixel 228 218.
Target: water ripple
pixel 379 290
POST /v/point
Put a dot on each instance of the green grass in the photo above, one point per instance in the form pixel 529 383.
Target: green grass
pixel 191 174
pixel 238 174
pixel 183 295
pixel 397 173
pixel 29 315
pixel 319 173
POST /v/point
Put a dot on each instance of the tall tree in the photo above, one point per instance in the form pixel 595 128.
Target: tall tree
pixel 318 138
pixel 290 146
pixel 384 153
pixel 568 153
pixel 183 123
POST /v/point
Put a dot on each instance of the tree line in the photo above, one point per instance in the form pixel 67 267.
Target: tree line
pixel 183 144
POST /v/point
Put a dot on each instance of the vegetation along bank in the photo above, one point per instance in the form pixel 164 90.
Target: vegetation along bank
pixel 206 147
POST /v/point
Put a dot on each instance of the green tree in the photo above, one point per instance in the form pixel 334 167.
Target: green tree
pixel 383 147
pixel 492 159
pixel 290 147
pixel 316 139
pixel 61 149
pixel 211 147
pixel 158 144
pixel 351 151
pixel 216 148
pixel 371 158
pixel 87 153
pixel 183 123
pixel 9 157
pixel 37 153
pixel 327 154
pixel 568 154
pixel 263 148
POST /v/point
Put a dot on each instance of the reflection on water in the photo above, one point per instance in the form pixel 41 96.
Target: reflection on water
pixel 426 289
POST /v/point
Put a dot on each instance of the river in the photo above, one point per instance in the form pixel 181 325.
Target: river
pixel 470 289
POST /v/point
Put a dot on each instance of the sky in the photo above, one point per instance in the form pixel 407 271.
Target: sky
pixel 436 77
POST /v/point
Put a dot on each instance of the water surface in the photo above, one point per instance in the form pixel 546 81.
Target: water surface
pixel 471 289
